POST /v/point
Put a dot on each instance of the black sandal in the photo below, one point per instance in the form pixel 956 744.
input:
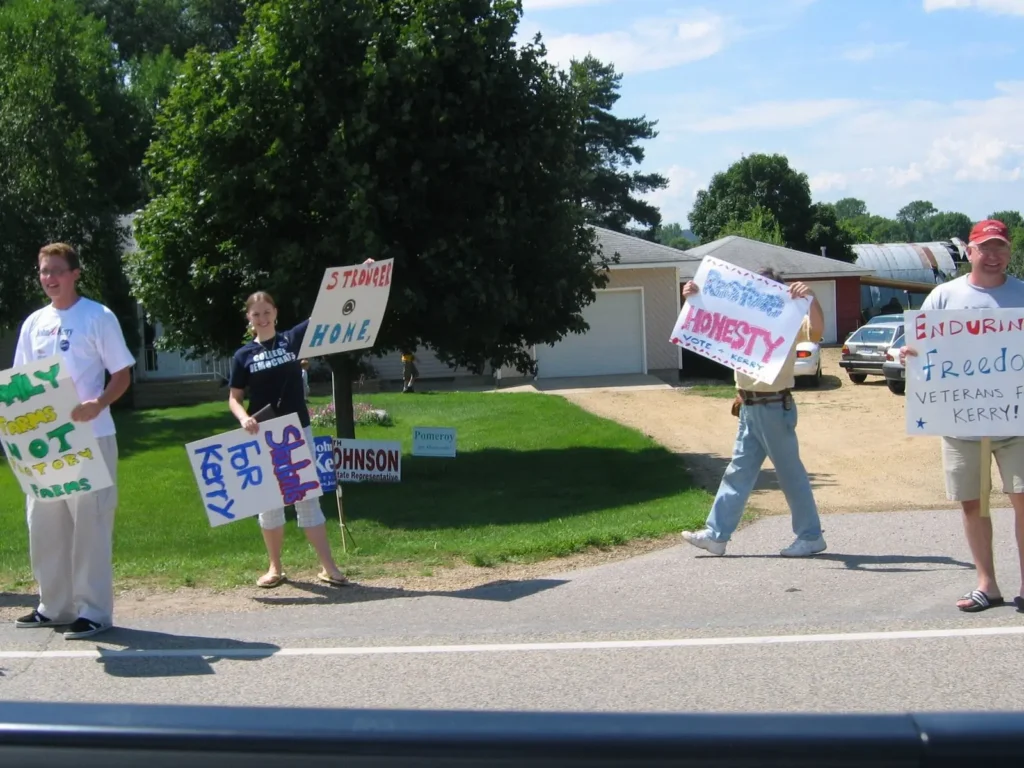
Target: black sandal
pixel 1019 603
pixel 979 602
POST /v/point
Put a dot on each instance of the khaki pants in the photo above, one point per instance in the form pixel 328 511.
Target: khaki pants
pixel 961 460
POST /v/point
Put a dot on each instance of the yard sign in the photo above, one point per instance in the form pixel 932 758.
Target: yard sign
pixel 740 319
pixel 51 455
pixel 348 310
pixel 967 379
pixel 376 461
pixel 240 475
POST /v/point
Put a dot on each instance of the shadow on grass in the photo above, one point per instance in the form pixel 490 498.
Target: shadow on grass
pixel 141 431
pixel 157 654
pixel 502 487
pixel 502 591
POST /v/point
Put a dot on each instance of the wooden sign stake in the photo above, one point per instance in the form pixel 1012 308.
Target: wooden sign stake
pixel 986 475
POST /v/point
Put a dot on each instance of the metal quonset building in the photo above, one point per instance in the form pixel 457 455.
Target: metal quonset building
pixel 905 271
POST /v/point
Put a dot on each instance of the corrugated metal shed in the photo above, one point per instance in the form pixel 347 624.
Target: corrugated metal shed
pixel 931 263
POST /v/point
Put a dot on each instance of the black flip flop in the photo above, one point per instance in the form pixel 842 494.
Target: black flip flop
pixel 980 602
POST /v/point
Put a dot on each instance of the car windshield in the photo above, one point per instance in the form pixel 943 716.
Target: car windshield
pixel 868 335
pixel 885 319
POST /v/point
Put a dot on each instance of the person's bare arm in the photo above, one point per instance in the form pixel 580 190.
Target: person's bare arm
pixel 236 402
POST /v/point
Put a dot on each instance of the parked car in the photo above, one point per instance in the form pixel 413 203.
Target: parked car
pixel 807 368
pixel 885 319
pixel 894 371
pixel 864 350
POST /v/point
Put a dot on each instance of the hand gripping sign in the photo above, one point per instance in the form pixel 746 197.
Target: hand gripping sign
pixel 52 456
pixel 349 309
pixel 740 319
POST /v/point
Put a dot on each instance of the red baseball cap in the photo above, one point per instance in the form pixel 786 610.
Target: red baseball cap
pixel 989 229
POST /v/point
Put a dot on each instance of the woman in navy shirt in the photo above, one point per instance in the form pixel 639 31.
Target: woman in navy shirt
pixel 269 367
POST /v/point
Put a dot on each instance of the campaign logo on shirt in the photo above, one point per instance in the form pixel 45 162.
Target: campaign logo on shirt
pixel 263 361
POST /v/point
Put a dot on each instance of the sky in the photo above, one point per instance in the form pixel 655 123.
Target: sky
pixel 888 101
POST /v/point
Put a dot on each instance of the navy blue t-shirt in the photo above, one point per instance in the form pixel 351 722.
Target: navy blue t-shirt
pixel 272 373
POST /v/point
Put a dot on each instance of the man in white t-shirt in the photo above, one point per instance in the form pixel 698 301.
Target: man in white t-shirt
pixel 71 540
pixel 987 286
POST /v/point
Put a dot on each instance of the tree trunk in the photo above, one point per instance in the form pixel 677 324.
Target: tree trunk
pixel 342 368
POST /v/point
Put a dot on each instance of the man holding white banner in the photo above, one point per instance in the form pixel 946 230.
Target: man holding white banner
pixel 767 429
pixel 71 539
pixel 987 286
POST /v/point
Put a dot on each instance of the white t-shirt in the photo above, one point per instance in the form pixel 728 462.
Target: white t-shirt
pixel 88 337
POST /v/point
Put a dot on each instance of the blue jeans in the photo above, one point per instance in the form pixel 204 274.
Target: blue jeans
pixel 765 431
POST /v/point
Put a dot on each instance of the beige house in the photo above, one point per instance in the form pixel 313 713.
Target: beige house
pixel 630 322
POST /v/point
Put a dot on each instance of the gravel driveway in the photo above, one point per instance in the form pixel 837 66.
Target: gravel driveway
pixel 852 439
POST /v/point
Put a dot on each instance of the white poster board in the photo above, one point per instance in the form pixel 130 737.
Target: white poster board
pixel 349 309
pixel 967 379
pixel 374 461
pixel 240 475
pixel 52 456
pixel 433 441
pixel 740 319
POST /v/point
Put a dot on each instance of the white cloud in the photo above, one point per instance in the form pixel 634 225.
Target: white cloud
pixel 774 115
pixel 676 200
pixel 962 155
pixel 1003 7
pixel 649 44
pixel 870 51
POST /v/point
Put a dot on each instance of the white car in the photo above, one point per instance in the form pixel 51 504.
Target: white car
pixel 807 368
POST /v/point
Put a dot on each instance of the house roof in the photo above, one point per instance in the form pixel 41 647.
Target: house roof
pixel 755 255
pixel 637 253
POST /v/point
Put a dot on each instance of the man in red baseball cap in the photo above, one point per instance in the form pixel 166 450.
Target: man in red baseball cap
pixel 987 286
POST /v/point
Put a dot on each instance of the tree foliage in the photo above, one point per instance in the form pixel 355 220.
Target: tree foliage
pixel 340 130
pixel 768 182
pixel 67 144
pixel 761 225
pixel 608 148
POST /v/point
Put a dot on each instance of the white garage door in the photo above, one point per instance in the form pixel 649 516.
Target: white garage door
pixel 825 292
pixel 614 343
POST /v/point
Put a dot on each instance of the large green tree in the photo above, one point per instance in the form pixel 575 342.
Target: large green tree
pixel 338 130
pixel 608 149
pixel 67 144
pixel 768 182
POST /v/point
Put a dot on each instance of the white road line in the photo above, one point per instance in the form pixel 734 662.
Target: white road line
pixel 249 652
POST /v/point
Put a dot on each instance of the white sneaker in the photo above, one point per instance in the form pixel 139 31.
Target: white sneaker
pixel 703 540
pixel 804 548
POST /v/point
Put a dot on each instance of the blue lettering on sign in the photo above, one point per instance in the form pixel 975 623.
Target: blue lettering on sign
pixel 339 332
pixel 242 464
pixel 212 471
pixel 697 341
pixel 325 462
pixel 743 294
pixel 286 472
pixel 746 361
pixel 969 367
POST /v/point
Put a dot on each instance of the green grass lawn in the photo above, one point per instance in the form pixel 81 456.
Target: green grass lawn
pixel 535 477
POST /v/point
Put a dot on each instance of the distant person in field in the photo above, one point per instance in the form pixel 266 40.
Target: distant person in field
pixel 987 286
pixel 409 371
pixel 767 429
pixel 269 369
pixel 71 540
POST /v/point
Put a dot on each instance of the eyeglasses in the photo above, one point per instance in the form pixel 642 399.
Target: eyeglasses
pixel 53 272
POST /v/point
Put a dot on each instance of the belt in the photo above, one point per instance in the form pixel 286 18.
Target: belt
pixel 762 398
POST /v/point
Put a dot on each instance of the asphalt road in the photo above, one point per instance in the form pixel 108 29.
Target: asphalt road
pixel 869 626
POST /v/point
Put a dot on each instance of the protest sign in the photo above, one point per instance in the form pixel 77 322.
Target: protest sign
pixel 348 309
pixel 325 463
pixel 433 441
pixel 740 319
pixel 240 475
pixel 967 378
pixel 52 456
pixel 375 461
